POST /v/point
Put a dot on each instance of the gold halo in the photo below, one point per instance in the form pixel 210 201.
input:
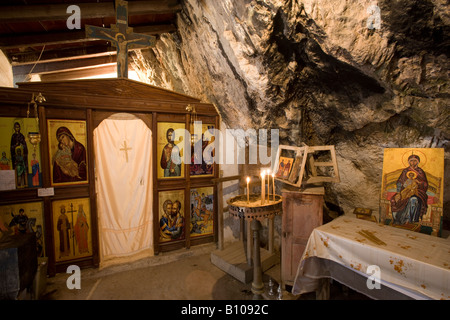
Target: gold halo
pixel 414 174
pixel 405 156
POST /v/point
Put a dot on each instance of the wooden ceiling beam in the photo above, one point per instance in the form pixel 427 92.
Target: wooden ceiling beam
pixel 52 55
pixel 79 73
pixel 60 65
pixel 88 10
pixel 39 39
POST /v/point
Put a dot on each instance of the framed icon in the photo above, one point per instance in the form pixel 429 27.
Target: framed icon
pixel 19 153
pixel 24 218
pixel 72 229
pixel 172 223
pixel 202 150
pixel 171 139
pixel 202 211
pixel 412 189
pixel 290 164
pixel 67 140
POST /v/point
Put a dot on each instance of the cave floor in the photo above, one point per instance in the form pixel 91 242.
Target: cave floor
pixel 185 274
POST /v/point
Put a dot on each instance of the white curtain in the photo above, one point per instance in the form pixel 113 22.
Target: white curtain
pixel 123 149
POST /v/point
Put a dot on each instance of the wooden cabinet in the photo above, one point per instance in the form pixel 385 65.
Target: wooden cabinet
pixel 302 212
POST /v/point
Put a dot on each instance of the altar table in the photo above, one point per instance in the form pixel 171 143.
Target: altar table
pixel 411 265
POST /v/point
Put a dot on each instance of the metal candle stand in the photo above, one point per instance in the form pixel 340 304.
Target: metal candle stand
pixel 251 209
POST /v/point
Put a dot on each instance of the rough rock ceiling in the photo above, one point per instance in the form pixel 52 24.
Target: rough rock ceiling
pixel 34 34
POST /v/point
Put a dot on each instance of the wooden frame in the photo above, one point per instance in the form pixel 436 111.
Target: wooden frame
pixel 90 101
pixel 300 159
pixel 322 170
pixel 295 158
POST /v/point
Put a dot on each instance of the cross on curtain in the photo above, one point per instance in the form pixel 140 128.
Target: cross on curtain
pixel 123 148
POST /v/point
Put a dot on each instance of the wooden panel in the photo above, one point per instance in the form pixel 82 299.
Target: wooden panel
pixel 109 87
pixel 100 102
pixel 301 214
pixel 14 111
pixel 162 117
pixel 99 116
pixel 65 114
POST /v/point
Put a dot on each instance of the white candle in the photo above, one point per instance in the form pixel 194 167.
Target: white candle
pixel 248 190
pixel 268 185
pixel 273 185
pixel 262 187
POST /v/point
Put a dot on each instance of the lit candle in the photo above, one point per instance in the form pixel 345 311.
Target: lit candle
pixel 262 187
pixel 248 190
pixel 268 185
pixel 273 186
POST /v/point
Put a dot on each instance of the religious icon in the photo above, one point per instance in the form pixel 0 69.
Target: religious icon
pixel 19 148
pixel 202 211
pixel 306 165
pixel 67 148
pixel 4 162
pixel 72 231
pixel 202 150
pixel 34 170
pixel 284 168
pixel 171 141
pixel 24 218
pixel 15 155
pixel 412 189
pixel 172 223
pixel 289 164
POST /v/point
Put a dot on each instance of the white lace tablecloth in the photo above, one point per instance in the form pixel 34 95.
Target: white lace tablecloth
pixel 414 264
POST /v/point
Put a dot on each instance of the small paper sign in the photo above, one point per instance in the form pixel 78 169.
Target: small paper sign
pixel 7 180
pixel 46 192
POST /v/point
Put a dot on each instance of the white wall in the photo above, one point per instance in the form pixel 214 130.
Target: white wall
pixel 6 74
pixel 230 188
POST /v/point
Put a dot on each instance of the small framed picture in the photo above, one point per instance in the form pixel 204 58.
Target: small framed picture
pixel 290 164
pixel 67 140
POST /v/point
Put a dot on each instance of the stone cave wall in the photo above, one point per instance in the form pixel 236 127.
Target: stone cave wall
pixel 315 71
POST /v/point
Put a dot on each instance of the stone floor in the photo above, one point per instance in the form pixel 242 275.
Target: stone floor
pixel 186 274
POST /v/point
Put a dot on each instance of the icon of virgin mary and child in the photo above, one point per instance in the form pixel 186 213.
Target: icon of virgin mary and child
pixel 409 204
pixel 69 161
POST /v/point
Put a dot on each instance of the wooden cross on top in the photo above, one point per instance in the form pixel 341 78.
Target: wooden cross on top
pixel 122 37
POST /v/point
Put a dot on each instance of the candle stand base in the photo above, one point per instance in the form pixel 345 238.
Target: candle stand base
pixel 237 258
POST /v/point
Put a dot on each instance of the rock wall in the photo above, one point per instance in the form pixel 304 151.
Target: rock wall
pixel 316 70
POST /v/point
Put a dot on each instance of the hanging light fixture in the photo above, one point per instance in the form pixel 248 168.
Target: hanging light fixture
pixel 34 136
